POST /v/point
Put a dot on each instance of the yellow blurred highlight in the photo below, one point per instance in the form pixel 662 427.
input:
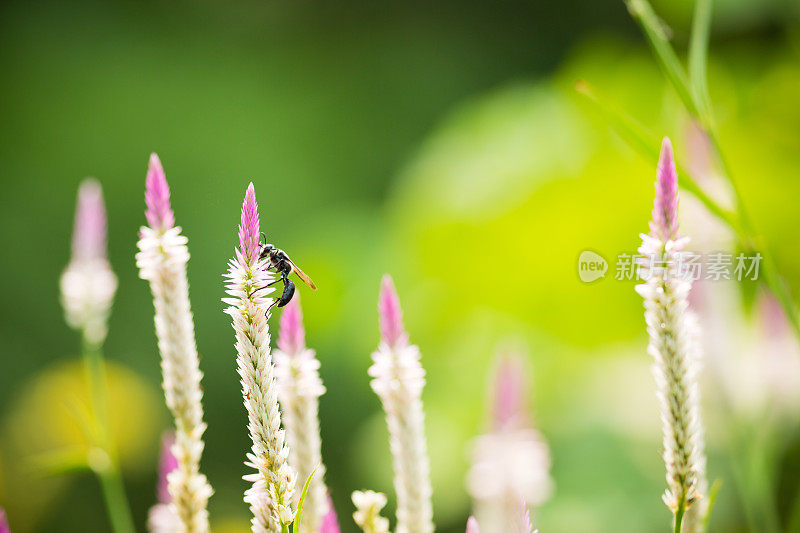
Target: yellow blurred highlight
pixel 44 433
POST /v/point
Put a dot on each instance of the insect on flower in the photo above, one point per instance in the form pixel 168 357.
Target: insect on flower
pixel 280 262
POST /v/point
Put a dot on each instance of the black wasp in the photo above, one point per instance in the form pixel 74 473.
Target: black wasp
pixel 280 262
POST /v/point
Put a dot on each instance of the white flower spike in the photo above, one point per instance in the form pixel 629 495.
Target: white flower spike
pixel 272 493
pixel 675 349
pixel 162 259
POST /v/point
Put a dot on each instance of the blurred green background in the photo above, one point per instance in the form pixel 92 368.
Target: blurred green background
pixel 440 142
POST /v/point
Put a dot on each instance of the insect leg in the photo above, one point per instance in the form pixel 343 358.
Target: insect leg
pixel 270 284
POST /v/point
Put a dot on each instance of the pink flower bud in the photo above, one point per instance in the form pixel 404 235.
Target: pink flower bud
pixel 156 195
pixel 472 525
pixel 292 336
pixel 249 228
pixel 89 237
pixel 509 393
pixel 391 315
pixel 665 210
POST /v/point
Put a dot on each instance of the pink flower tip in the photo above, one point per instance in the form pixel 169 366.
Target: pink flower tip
pixel 664 225
pixel 472 525
pixel 156 195
pixel 89 235
pixel 166 464
pixel 391 315
pixel 330 523
pixel 4 527
pixel 292 336
pixel 509 393
pixel 249 228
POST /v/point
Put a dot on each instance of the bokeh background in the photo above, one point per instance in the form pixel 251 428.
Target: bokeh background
pixel 440 142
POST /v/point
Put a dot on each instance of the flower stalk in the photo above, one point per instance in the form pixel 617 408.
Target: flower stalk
pixel 161 260
pixel 299 389
pixel 674 347
pixel 270 498
pixel 398 379
pixel 88 286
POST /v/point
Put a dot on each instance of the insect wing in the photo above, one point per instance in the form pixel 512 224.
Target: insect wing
pixel 302 275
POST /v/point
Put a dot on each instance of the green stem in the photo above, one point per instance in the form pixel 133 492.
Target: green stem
pixel 104 461
pixel 116 502
pixel 679 515
pixel 755 242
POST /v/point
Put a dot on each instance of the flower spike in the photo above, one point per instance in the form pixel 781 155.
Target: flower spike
pixel 675 348
pixel 299 389
pixel 88 284
pixel 162 258
pixel 272 493
pixel 510 463
pixel 398 379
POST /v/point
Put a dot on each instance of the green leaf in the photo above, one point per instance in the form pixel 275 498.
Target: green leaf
pixel 698 56
pixel 656 33
pixel 298 514
pixel 61 462
pixel 712 498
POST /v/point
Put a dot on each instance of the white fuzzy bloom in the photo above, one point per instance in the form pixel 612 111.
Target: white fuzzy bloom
pixel 163 519
pixel 88 285
pixel 399 378
pixel 299 389
pixel 87 292
pixel 398 382
pixel 508 466
pixel 368 511
pixel 270 498
pixel 674 346
pixel 162 261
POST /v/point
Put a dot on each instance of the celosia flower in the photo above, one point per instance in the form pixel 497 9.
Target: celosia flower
pixel 330 523
pixel 88 284
pixel 4 528
pixel 511 463
pixel 162 517
pixel 673 344
pixel 271 495
pixel 398 381
pixel 472 525
pixel 162 259
pixel 299 389
pixel 368 511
